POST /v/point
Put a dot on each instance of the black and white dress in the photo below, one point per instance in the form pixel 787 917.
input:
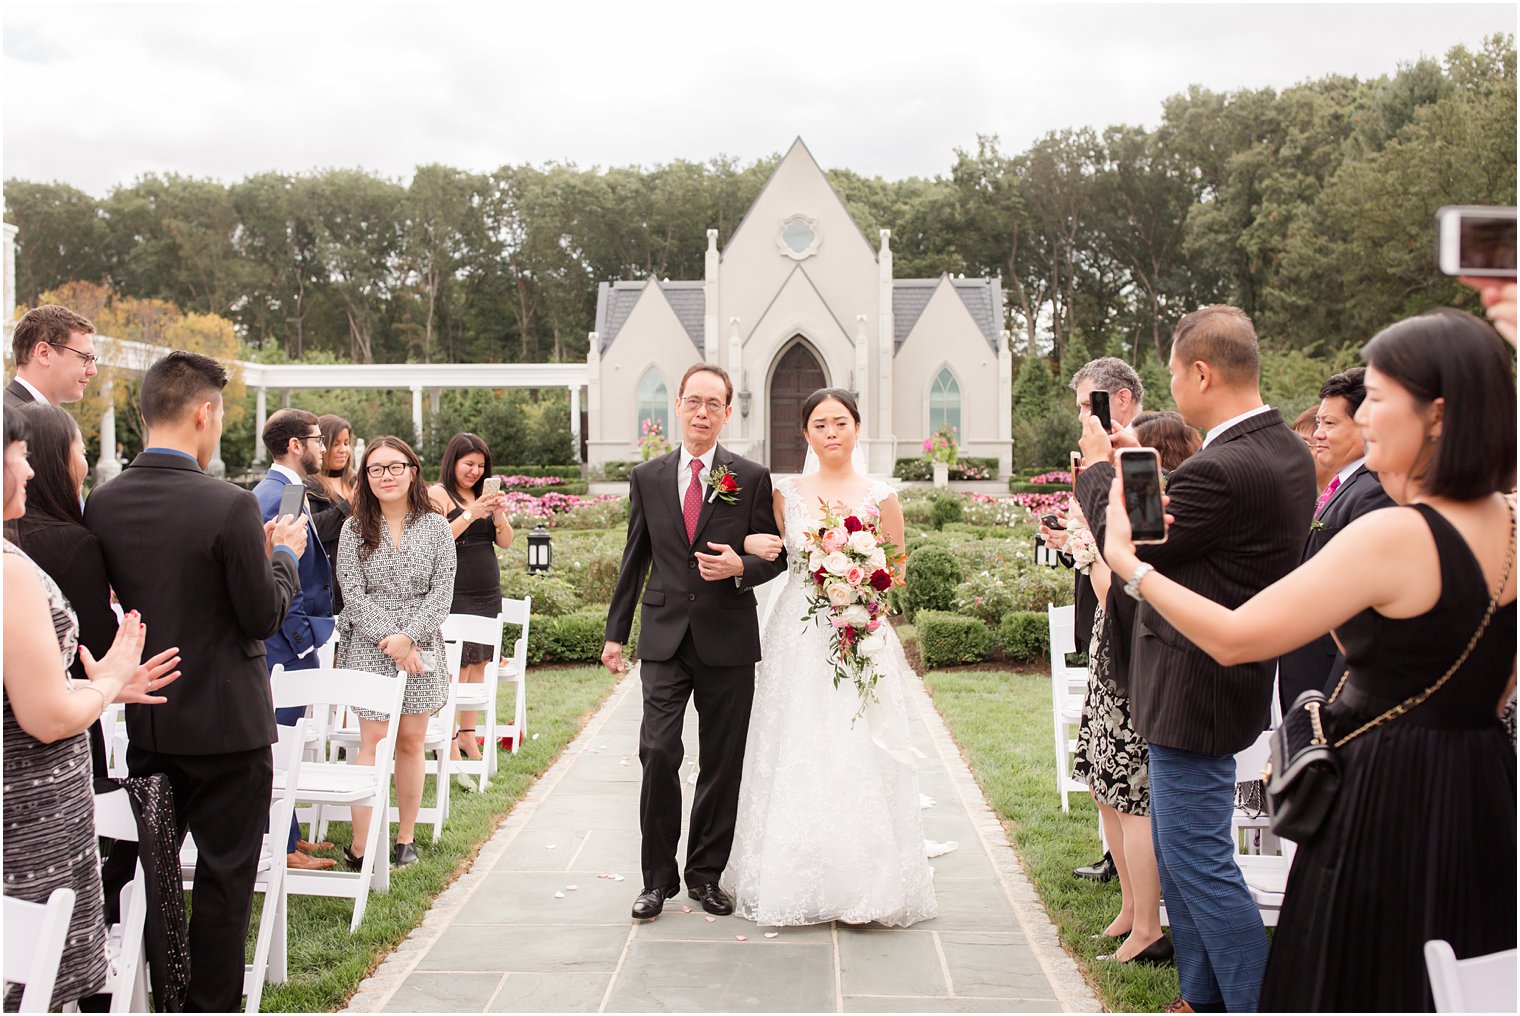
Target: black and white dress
pixel 1111 758
pixel 49 815
pixel 404 589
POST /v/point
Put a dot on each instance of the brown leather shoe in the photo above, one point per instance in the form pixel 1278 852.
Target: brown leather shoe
pixel 1178 1004
pixel 305 862
pixel 307 847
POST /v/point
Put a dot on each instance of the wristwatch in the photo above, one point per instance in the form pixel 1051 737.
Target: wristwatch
pixel 1132 587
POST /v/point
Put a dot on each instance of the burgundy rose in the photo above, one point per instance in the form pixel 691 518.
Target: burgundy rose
pixel 881 581
pixel 818 576
pixel 852 524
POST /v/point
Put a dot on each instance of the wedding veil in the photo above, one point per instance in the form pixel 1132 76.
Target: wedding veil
pixel 857 458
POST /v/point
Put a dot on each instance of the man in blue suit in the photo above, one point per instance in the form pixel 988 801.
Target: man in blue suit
pixel 295 445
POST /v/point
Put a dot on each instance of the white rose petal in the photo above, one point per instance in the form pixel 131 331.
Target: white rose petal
pixel 873 644
pixel 878 559
pixel 862 542
pixel 855 615
pixel 836 563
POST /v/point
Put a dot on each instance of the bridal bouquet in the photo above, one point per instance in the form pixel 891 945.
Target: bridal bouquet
pixel 851 565
pixel 1080 544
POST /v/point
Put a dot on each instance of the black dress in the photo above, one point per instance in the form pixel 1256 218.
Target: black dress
pixel 1420 843
pixel 477 582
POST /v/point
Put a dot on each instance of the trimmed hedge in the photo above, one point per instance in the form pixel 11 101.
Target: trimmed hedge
pixel 553 595
pixel 1016 486
pixel 617 469
pixel 567 472
pixel 932 575
pixel 575 486
pixel 1024 636
pixel 922 469
pixel 946 639
pixel 947 509
pixel 573 638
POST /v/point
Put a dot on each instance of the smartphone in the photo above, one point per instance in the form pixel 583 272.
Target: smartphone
pixel 1476 240
pixel 1098 406
pixel 1140 474
pixel 491 486
pixel 291 500
pixel 1076 468
pixel 1052 521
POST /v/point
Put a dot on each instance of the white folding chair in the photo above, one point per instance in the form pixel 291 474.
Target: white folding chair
pixel 113 728
pixel 1479 984
pixel 439 739
pixel 337 786
pixel 127 973
pixel 1068 686
pixel 479 698
pixel 515 669
pixel 34 934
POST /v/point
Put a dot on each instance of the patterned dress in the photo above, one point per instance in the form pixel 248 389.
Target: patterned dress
pixel 1111 758
pixel 404 589
pixel 49 816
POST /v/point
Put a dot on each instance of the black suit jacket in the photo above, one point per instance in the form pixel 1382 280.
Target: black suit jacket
pixel 72 557
pixel 721 614
pixel 1242 507
pixel 16 395
pixel 1319 664
pixel 1092 494
pixel 187 550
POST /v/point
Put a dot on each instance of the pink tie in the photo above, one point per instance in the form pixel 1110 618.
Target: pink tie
pixel 692 506
pixel 1324 498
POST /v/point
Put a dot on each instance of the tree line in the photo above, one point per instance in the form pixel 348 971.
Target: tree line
pixel 1309 207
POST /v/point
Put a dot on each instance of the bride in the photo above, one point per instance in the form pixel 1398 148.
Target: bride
pixel 828 826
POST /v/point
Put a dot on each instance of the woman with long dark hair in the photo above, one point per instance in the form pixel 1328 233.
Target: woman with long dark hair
pixel 330 493
pixel 1422 597
pixel 53 534
pixel 479 525
pixel 396 565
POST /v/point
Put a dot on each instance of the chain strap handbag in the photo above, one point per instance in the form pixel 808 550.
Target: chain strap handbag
pixel 1303 771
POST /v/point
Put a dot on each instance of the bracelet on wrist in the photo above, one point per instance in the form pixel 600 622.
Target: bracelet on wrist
pixel 104 702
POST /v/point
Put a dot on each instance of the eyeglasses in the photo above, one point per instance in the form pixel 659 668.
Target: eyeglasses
pixel 394 468
pixel 314 437
pixel 692 404
pixel 90 359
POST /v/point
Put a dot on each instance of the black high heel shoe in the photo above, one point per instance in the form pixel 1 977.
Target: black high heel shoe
pixel 1158 953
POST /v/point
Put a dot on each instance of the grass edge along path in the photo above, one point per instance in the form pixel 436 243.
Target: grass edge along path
pixel 326 963
pixel 1000 720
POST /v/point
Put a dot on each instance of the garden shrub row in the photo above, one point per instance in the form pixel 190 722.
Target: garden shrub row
pixel 1016 486
pixel 614 471
pixel 967 467
pixel 947 639
pixel 575 486
pixel 567 472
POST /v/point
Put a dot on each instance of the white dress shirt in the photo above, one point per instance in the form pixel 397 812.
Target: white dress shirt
pixel 1351 467
pixel 1232 421
pixel 33 389
pixel 683 474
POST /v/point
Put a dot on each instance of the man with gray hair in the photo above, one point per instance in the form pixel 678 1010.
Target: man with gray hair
pixel 1125 396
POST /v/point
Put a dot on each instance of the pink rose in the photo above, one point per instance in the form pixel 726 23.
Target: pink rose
pixel 831 542
pixel 854 574
pixel 874 624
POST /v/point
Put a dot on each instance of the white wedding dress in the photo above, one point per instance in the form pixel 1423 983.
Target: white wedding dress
pixel 829 827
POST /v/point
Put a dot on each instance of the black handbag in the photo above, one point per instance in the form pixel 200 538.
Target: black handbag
pixel 1303 772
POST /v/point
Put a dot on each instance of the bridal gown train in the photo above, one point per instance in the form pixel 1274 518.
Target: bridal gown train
pixel 829 826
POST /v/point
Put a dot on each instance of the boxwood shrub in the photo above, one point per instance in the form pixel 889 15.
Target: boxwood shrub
pixel 1024 636
pixel 947 509
pixel 946 639
pixel 567 472
pixel 572 638
pixel 553 595
pixel 616 470
pixel 967 467
pixel 932 575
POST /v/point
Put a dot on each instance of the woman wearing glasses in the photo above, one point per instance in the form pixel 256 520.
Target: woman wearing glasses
pixel 396 565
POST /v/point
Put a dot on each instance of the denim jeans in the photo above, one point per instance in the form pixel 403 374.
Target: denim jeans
pixel 1216 926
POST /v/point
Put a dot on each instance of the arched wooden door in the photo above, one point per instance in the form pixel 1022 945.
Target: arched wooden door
pixel 798 374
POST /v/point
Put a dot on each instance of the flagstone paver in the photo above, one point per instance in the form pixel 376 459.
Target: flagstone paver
pixel 501 940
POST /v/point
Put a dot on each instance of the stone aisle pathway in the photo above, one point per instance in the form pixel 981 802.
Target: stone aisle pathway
pixel 535 926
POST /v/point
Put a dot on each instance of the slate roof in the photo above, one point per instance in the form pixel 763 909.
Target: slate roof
pixel 615 300
pixel 982 297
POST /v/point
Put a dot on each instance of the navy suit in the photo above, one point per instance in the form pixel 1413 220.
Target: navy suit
pixel 309 622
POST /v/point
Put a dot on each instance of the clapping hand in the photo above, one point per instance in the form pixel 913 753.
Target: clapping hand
pixel 122 664
pixel 765 546
pixel 151 676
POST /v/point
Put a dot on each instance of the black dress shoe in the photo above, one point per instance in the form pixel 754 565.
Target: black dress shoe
pixel 714 900
pixel 1098 871
pixel 1158 953
pixel 652 901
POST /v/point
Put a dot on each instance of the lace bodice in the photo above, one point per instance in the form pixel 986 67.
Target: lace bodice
pixel 800 514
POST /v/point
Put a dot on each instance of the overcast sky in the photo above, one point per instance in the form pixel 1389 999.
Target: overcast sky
pixel 97 95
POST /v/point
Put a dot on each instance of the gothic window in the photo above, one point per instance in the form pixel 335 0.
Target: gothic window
pixel 944 402
pixel 653 404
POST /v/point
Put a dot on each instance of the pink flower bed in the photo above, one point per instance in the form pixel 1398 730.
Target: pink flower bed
pixel 509 482
pixel 546 507
pixel 1059 476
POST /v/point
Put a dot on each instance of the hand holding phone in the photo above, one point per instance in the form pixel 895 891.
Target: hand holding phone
pixel 1097 402
pixel 1052 521
pixel 1140 474
pixel 491 487
pixel 292 499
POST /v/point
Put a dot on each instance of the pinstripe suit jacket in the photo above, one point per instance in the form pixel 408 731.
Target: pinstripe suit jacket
pixel 1242 508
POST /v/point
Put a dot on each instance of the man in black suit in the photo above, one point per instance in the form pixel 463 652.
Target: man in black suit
pixel 1242 505
pixel 1126 396
pixel 1353 491
pixel 55 357
pixel 700 635
pixel 190 552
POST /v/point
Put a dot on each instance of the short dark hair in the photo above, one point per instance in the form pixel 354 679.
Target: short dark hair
pixel 50 491
pixel 710 368
pixel 285 424
pixel 49 323
pixel 823 395
pixel 1446 354
pixel 1222 337
pixel 367 515
pixel 458 447
pixel 1350 385
pixel 178 381
pixel 1169 434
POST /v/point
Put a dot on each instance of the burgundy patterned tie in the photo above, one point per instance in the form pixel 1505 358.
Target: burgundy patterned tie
pixel 1324 498
pixel 692 506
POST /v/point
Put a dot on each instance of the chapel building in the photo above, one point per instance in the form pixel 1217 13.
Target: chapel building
pixel 799 299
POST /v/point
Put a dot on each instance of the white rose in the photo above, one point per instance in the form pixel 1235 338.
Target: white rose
pixel 815 561
pixel 878 559
pixel 855 615
pixel 838 594
pixel 872 645
pixel 836 563
pixel 862 542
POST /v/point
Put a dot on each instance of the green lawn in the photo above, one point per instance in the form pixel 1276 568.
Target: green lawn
pixel 1001 721
pixel 326 962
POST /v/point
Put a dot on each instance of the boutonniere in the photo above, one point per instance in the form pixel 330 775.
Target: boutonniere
pixel 721 482
pixel 1316 525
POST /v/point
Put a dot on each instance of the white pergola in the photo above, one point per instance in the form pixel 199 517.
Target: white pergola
pixel 420 379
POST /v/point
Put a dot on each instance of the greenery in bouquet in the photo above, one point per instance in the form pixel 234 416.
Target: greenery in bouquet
pixel 942 447
pixel 853 566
